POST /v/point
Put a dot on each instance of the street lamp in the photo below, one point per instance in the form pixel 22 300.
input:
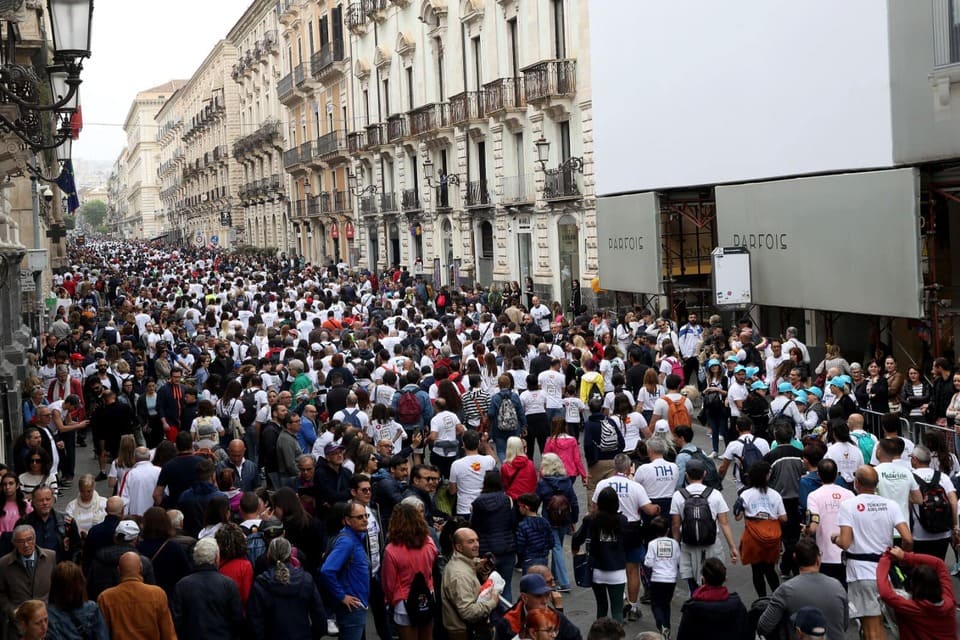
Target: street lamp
pixel 353 184
pixel 542 146
pixel 447 178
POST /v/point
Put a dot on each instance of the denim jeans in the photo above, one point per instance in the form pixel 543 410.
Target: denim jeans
pixel 505 564
pixel 558 564
pixel 717 424
pixel 530 562
pixel 351 623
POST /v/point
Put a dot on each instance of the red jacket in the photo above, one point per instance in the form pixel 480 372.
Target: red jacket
pixel 519 477
pixel 920 619
pixel 401 564
pixel 55 392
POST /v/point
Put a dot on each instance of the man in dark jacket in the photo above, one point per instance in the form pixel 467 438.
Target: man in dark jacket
pixel 193 502
pixel 101 535
pixel 388 492
pixel 598 452
pixel 55 530
pixel 535 593
pixel 269 434
pixel 104 569
pixel 713 611
pixel 206 603
pixel 941 391
pixel 331 480
pixel 786 469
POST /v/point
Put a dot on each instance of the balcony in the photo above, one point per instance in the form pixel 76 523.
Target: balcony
pixel 264 136
pixel 376 136
pixel 550 79
pixel 306 151
pixel 467 107
pixel 372 7
pixel 356 18
pixel 518 190
pixel 285 88
pixel 444 192
pixel 342 201
pixel 478 194
pixel 291 158
pixel 287 10
pixel 563 183
pixel 323 63
pixel 313 206
pixel 396 127
pixel 503 95
pixel 388 202
pixel 368 204
pixel 410 200
pixel 326 206
pixel 299 209
pixel 300 75
pixel 428 119
pixel 331 147
pixel 355 142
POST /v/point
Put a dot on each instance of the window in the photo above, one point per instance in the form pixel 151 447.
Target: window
pixel 564 141
pixel 310 32
pixel 386 97
pixel 946 32
pixel 514 48
pixel 476 64
pixel 559 30
pixel 366 107
pixel 440 86
pixel 409 88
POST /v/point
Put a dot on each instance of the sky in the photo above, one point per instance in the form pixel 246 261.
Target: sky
pixel 136 45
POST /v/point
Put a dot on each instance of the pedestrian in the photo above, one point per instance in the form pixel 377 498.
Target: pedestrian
pixel 930 611
pixel 763 512
pixel 713 611
pixel 561 509
pixel 71 615
pixel 26 573
pixel 408 569
pixel 133 609
pixel 284 602
pixel 206 603
pixel 601 534
pixel 493 520
pixel 346 572
pixel 466 608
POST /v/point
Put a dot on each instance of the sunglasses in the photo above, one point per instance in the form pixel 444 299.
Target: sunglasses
pixel 32 460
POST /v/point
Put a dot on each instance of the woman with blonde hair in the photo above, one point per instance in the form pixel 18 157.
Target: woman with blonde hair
pixel 31 618
pixel 560 508
pixel 519 474
pixel 89 508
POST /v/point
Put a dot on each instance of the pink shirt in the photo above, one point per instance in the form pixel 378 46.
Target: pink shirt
pixel 568 450
pixel 825 502
pixel 401 564
pixel 9 521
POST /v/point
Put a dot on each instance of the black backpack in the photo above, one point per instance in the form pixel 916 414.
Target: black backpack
pixel 712 477
pixel 934 511
pixel 249 414
pixel 749 456
pixel 698 527
pixel 421 603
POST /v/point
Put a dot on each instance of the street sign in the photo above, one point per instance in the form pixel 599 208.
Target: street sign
pixel 198 239
pixel 731 276
pixel 214 240
pixel 36 259
pixel 27 285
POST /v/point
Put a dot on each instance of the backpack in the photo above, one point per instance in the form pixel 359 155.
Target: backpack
pixel 934 511
pixel 594 392
pixel 750 455
pixel 507 419
pixel 558 510
pixel 676 368
pixel 421 603
pixel 617 367
pixel 677 413
pixel 256 545
pixel 408 408
pixel 441 300
pixel 866 443
pixel 699 527
pixel 351 418
pixel 712 477
pixel 249 414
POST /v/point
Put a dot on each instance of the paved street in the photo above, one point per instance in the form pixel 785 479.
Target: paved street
pixel 579 604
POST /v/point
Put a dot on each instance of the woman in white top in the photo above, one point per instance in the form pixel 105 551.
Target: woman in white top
pixel 88 508
pixel 489 373
pixel 844 451
pixel 649 393
pixel 38 473
pixel 764 512
pixel 624 333
pixel 384 427
pixel 228 407
pixel 123 462
pixel 534 402
pixel 260 340
pixel 630 421
pixel 610 365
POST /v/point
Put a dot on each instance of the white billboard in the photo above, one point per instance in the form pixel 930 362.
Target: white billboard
pixel 700 92
pixel 628 243
pixel 847 242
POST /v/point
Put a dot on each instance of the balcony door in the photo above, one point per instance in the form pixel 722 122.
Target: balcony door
pixel 485 256
pixel 568 232
pixel 446 243
pixel 373 249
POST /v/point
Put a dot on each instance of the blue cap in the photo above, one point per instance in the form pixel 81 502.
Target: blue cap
pixel 800 396
pixel 817 391
pixel 759 384
pixel 731 358
pixel 784 387
pixel 752 371
pixel 739 368
pixel 713 362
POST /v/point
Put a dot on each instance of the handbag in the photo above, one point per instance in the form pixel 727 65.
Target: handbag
pixel 583 570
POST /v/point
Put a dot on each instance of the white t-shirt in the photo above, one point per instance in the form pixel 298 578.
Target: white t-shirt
pixel 390 430
pixel 896 481
pixel 734 451
pixel 611 395
pixel 825 502
pixel 649 398
pixel 361 416
pixel 717 504
pixel 551 384
pixel 661 409
pixel 848 457
pixel 533 402
pixel 762 504
pixel 632 495
pixel 919 533
pixel 632 425
pixel 573 409
pixel 736 392
pixel 467 473
pixel 905 456
pixel 445 425
pixel 663 559
pixel 872 518
pixel 658 478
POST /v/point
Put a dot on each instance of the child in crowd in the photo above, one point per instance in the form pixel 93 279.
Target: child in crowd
pixel 663 562
pixel 573 409
pixel 534 533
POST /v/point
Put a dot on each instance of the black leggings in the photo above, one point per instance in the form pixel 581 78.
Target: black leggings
pixel 763 570
pixel 537 432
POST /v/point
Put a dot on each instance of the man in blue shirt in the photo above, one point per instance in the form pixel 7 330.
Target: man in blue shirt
pixel 346 572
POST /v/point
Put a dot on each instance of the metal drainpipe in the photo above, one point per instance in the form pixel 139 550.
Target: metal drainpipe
pixel 5 402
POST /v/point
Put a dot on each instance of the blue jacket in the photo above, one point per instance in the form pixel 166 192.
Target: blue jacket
pixel 193 503
pixel 494 521
pixel 68 625
pixel 550 485
pixel 493 412
pixel 534 538
pixel 426 408
pixel 206 604
pixel 284 610
pixel 347 568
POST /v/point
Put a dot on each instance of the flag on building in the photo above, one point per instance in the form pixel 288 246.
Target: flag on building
pixel 76 123
pixel 68 186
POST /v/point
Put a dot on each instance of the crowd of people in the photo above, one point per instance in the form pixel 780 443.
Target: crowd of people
pixel 292 451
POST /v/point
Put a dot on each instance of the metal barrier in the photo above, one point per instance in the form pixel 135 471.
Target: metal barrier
pixel 949 433
pixel 872 423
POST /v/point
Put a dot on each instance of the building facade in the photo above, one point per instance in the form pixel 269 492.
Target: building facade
pixel 450 100
pixel 259 217
pixel 144 217
pixel 830 141
pixel 195 130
